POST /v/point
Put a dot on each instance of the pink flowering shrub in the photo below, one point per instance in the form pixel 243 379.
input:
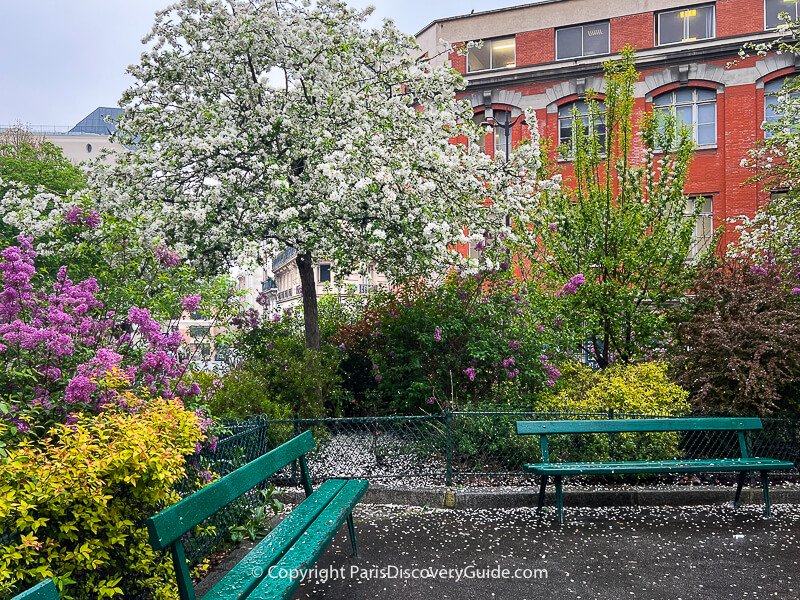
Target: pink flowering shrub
pixel 58 344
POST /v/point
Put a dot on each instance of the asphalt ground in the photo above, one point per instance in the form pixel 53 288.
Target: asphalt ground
pixel 652 552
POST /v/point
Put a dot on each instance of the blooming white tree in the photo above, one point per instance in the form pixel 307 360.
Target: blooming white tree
pixel 267 124
pixel 773 233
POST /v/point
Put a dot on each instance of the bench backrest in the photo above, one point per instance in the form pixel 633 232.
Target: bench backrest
pixel 167 527
pixel 545 428
pixel 44 591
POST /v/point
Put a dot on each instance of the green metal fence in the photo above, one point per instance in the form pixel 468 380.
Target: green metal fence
pixel 463 448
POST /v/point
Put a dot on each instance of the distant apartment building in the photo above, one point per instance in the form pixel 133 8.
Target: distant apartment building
pixel 546 55
pixel 286 289
pixel 92 134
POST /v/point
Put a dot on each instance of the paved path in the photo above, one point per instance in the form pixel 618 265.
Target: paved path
pixel 653 553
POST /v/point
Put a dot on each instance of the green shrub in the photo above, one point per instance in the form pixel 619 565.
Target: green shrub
pixel 76 503
pixel 627 390
pixel 426 347
pixel 280 388
pixel 242 393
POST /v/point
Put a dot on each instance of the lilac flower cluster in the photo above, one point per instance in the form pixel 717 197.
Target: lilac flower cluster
pixel 78 216
pixel 571 287
pixel 191 303
pixel 166 257
pixel 550 371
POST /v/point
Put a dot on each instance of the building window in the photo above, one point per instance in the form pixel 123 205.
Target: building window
pixel 685 25
pixel 499 53
pixel 772 94
pixel 694 107
pixel 583 40
pixel 774 8
pixel 324 273
pixel 701 209
pixel 480 120
pixel 502 134
pixel 566 135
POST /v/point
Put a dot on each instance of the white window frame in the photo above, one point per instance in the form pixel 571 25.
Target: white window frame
pixel 571 105
pixel 582 54
pixel 685 39
pixel 796 15
pixel 319 273
pixel 695 103
pixel 490 42
pixel 700 245
pixel 776 94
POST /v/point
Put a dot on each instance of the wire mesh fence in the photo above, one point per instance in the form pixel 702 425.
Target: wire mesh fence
pixel 457 448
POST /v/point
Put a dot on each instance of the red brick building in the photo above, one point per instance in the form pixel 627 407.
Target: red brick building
pixel 545 55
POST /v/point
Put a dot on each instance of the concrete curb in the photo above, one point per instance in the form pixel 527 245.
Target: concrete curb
pixel 456 498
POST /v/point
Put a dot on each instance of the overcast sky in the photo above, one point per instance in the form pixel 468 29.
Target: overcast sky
pixel 60 59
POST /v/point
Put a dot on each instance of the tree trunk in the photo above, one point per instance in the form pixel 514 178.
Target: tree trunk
pixel 305 265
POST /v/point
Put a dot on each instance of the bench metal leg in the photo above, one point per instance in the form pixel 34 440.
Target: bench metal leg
pixel 559 499
pixel 352 532
pixel 542 488
pixel 765 487
pixel 739 486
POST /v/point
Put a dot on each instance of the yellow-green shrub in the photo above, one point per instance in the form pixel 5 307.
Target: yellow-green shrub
pixel 78 499
pixel 642 389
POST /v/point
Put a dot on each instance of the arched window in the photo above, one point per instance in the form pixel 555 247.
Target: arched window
pixel 772 93
pixel 566 139
pixel 694 107
pixel 502 134
pixel 499 125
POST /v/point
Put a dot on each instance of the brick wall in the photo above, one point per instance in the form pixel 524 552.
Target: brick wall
pixel 735 17
pixel 535 47
pixel 636 30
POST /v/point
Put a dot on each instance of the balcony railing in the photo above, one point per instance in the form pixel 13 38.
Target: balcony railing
pixel 283 258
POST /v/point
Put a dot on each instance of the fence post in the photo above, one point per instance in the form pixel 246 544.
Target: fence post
pixel 262 442
pixel 296 425
pixel 448 424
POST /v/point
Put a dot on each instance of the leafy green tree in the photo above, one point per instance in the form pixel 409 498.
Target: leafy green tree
pixel 36 163
pixel 618 232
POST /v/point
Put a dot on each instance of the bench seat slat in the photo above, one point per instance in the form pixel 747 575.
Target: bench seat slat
pixel 661 466
pixel 248 573
pixel 170 524
pixel 45 590
pixel 312 543
pixel 638 425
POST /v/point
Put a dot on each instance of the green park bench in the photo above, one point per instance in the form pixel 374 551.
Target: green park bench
pixel 291 547
pixel 743 465
pixel 43 591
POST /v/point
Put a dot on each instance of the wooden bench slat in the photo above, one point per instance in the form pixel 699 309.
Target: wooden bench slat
pixel 313 542
pixel 638 425
pixel 170 524
pixel 45 590
pixel 246 575
pixel 661 466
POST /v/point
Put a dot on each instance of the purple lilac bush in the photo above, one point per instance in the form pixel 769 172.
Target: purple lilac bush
pixel 59 346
